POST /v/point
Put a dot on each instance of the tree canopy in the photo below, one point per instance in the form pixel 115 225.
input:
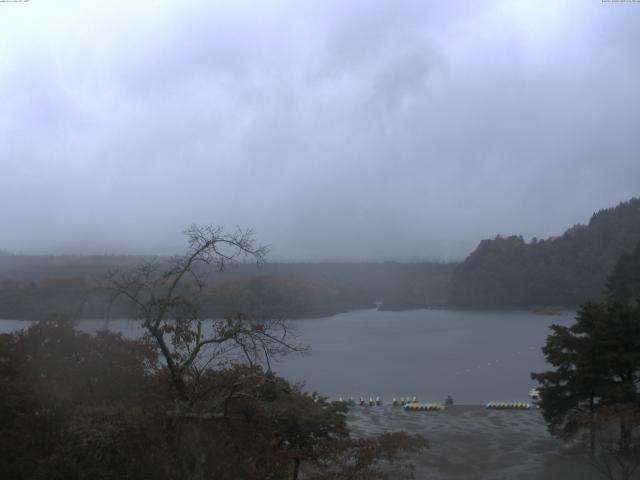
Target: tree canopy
pixel 563 271
pixel 194 399
pixel 597 367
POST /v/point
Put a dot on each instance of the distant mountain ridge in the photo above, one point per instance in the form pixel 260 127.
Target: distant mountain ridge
pixel 564 271
pixel 505 272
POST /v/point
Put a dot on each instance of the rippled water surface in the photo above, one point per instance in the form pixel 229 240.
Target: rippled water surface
pixel 471 355
pixel 475 356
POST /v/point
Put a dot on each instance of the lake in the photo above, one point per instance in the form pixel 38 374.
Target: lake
pixel 474 356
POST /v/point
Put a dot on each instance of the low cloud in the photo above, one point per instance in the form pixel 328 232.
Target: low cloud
pixel 336 130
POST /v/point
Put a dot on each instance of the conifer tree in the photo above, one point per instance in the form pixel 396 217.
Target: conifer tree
pixel 596 362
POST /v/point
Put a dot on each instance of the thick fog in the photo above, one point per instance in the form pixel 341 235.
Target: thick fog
pixel 336 129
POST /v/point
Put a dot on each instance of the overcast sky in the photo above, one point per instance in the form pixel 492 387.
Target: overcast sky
pixel 336 129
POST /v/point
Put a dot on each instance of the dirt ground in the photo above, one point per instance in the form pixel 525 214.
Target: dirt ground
pixel 470 442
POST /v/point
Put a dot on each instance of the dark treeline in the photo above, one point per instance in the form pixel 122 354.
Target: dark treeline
pixel 506 272
pixel 34 287
pixel 559 271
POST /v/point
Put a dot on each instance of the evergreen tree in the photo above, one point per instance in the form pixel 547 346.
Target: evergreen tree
pixel 559 271
pixel 596 360
pixel 623 285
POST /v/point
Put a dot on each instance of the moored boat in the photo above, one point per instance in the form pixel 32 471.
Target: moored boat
pixel 424 407
pixel 493 405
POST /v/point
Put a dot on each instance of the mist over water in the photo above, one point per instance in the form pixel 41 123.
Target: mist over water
pixel 475 356
pixel 399 173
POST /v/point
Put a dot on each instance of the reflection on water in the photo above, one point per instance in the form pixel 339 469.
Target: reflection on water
pixel 474 356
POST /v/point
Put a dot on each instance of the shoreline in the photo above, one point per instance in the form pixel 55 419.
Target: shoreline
pixel 469 441
pixel 555 310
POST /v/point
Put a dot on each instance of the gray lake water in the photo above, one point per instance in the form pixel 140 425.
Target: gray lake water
pixel 474 356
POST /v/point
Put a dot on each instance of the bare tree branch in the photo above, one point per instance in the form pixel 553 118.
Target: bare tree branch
pixel 164 297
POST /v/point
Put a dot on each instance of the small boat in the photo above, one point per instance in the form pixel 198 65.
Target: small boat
pixel 534 395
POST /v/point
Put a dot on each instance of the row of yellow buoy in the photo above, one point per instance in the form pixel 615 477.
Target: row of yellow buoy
pixel 425 407
pixel 412 404
pixel 409 403
pixel 508 405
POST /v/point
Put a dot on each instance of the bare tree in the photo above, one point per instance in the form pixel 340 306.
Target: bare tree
pixel 212 404
pixel 165 298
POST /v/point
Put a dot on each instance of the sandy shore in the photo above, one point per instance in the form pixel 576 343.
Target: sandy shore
pixel 470 442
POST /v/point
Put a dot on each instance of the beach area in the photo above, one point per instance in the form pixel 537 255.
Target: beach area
pixel 471 442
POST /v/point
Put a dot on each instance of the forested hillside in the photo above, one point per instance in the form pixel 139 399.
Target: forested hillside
pixel 506 272
pixel 562 271
pixel 35 287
